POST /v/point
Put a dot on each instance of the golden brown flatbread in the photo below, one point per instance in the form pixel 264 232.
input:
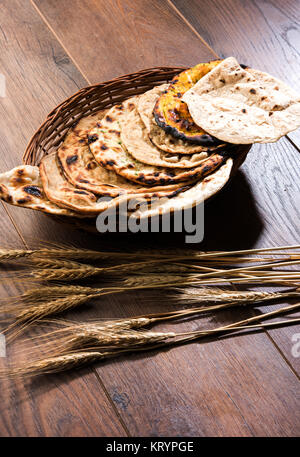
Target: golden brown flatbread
pixel 135 138
pixel 82 171
pixel 22 186
pixel 159 137
pixel 109 151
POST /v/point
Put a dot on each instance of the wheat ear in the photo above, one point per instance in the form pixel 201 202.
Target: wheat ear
pixel 77 359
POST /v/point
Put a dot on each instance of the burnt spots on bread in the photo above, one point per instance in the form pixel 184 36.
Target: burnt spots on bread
pixel 33 190
pixel 82 180
pixel 244 111
pixel 170 173
pixel 110 163
pixel 109 118
pixel 71 159
pixel 222 80
pixel 19 180
pixel 20 172
pixel 92 138
pixel 177 191
pixel 115 132
pixel 23 201
pixel 130 165
pixel 252 91
pixel 92 165
pixel 206 169
pixel 80 192
pixel 103 147
pixel 141 178
pixel 82 140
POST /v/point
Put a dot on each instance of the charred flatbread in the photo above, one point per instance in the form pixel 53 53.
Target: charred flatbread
pixel 198 193
pixel 157 135
pixel 65 195
pixel 22 186
pixel 82 170
pixel 109 151
pixel 136 140
pixel 172 114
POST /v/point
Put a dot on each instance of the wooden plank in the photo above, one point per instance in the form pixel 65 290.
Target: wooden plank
pixel 263 34
pixel 222 388
pixel 126 36
pixel 39 75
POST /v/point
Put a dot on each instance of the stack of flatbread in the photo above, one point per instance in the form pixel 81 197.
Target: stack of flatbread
pixel 176 142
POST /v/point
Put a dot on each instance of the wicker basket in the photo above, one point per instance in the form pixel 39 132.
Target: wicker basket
pixel 88 101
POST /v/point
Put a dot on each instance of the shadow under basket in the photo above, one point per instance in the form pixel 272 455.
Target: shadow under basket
pixel 87 101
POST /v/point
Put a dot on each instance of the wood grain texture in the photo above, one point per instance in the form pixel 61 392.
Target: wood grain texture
pixel 126 35
pixel 240 386
pixel 38 76
pixel 264 34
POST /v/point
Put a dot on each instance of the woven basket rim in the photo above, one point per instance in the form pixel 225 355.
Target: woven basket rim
pixel 54 113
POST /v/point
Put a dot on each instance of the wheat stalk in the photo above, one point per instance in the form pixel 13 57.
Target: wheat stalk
pixel 66 297
pixel 77 359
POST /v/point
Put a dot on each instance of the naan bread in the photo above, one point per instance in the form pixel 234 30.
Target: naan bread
pixel 64 194
pixel 109 152
pixel 157 135
pixel 243 106
pixel 200 192
pixel 135 137
pixel 81 169
pixel 22 186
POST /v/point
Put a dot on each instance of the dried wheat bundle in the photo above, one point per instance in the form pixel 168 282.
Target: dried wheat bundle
pixel 67 251
pixel 124 341
pixel 33 305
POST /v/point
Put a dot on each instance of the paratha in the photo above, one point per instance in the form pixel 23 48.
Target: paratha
pixel 172 114
pixel 135 138
pixel 243 106
pixel 64 194
pixel 22 186
pixel 107 148
pixel 81 169
pixel 157 135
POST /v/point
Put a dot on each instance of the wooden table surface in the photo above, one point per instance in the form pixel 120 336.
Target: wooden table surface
pixel 242 386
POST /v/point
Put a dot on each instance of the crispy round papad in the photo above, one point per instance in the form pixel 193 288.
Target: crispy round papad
pixel 109 151
pixel 22 186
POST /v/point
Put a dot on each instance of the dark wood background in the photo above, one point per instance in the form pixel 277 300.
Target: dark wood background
pixel 242 386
